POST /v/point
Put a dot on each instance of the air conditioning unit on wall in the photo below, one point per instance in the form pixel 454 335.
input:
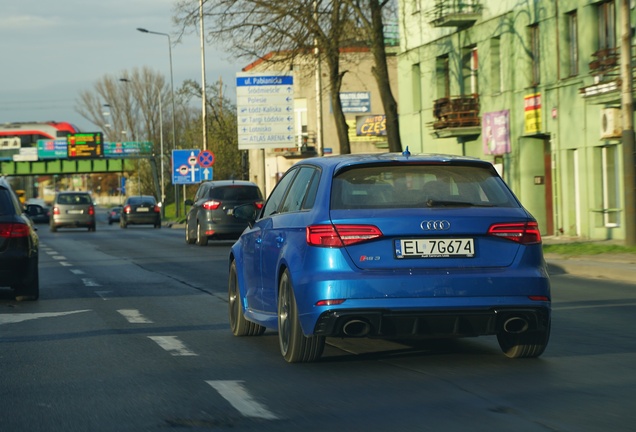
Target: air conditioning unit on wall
pixel 611 124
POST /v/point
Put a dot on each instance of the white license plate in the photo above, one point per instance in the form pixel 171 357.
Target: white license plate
pixel 74 212
pixel 230 212
pixel 142 210
pixel 434 248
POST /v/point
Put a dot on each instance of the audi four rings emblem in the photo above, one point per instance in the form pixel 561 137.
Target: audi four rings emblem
pixel 438 225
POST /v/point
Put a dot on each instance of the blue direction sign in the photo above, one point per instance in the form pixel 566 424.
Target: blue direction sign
pixel 185 167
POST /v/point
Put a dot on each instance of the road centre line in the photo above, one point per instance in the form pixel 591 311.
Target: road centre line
pixel 66 264
pixel 77 271
pixel 58 257
pixel 173 345
pixel 133 316
pixel 236 394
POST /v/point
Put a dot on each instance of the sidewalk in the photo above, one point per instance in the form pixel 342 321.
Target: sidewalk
pixel 618 267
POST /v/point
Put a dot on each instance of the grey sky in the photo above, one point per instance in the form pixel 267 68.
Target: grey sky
pixel 53 49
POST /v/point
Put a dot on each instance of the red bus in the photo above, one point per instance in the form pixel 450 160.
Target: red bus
pixel 30 132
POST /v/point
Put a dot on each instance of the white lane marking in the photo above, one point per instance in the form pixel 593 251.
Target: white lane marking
pixel 58 257
pixel 134 317
pixel 77 271
pixel 609 305
pixel 16 318
pixel 103 294
pixel 89 282
pixel 51 252
pixel 236 394
pixel 173 345
pixel 66 264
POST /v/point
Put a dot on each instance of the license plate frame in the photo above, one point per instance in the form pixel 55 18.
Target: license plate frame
pixel 414 248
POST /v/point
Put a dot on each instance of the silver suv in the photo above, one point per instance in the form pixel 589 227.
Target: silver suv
pixel 73 210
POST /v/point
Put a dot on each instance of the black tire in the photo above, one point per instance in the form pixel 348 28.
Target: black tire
pixel 29 290
pixel 529 344
pixel 53 228
pixel 188 239
pixel 158 225
pixel 202 239
pixel 294 345
pixel 238 324
pixel 92 228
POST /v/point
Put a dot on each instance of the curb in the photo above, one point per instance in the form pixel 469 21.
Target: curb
pixel 608 267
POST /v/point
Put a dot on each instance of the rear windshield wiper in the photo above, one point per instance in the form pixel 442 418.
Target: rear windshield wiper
pixel 436 203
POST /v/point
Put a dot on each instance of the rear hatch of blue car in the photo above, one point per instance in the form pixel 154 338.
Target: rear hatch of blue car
pixel 429 217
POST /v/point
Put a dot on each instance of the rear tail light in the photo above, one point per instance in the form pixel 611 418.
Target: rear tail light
pixel 91 210
pixel 520 232
pixel 157 209
pixel 340 235
pixel 13 230
pixel 259 205
pixel 56 210
pixel 127 209
pixel 211 205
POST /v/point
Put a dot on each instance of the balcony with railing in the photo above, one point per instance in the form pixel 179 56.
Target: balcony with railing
pixel 460 113
pixel 604 61
pixel 455 13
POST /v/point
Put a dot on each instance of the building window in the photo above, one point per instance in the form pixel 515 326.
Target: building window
pixel 470 67
pixel 535 54
pixel 611 201
pixel 495 65
pixel 416 78
pixel 606 25
pixel 573 43
pixel 442 77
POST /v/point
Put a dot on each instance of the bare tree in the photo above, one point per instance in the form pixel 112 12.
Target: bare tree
pixel 290 28
pixel 370 14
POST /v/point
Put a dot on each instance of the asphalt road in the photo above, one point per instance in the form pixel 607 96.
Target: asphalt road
pixel 131 334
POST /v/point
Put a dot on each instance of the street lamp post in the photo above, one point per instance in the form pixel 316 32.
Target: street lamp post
pixel 174 134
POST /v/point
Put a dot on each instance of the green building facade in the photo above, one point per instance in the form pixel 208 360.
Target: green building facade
pixel 533 86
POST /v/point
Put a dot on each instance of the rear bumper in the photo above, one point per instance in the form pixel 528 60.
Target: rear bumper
pixel 72 222
pixel 140 219
pixel 421 324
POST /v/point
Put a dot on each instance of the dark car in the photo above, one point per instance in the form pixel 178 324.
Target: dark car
pixel 38 213
pixel 114 214
pixel 390 246
pixel 73 210
pixel 140 210
pixel 210 216
pixel 18 247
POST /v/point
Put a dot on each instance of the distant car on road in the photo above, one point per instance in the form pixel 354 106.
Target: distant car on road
pixel 73 210
pixel 390 246
pixel 38 213
pixel 114 214
pixel 19 247
pixel 210 216
pixel 140 210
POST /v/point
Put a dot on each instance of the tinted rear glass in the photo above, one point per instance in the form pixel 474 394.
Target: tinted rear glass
pixel 74 199
pixel 400 186
pixel 145 200
pixel 235 193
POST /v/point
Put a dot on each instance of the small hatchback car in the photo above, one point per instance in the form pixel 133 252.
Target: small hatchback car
pixel 72 210
pixel 140 210
pixel 18 247
pixel 210 216
pixel 390 246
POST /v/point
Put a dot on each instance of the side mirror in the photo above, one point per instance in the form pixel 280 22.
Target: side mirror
pixel 189 202
pixel 246 212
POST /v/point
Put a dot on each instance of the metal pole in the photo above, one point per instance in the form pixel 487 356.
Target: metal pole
pixel 627 100
pixel 174 122
pixel 163 195
pixel 203 95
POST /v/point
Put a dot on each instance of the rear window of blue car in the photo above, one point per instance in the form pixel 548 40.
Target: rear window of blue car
pixel 409 186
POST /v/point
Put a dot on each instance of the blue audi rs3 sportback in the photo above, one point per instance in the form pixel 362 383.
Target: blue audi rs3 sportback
pixel 390 246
